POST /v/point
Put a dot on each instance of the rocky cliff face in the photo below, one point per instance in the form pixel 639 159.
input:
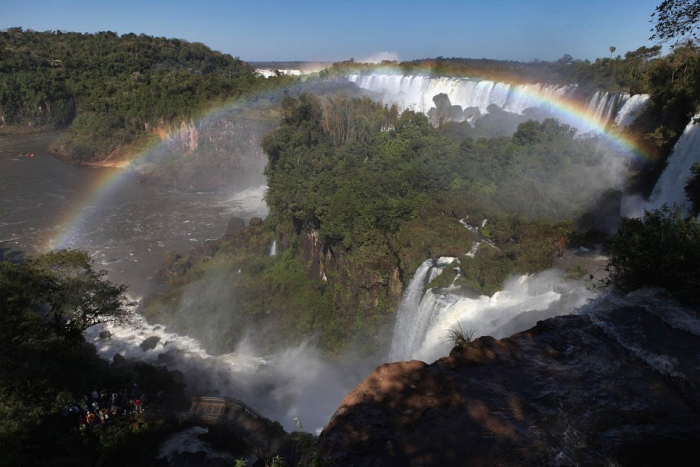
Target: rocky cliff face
pixel 46 115
pixel 364 283
pixel 616 384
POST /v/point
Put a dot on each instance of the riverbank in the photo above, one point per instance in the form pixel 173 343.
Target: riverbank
pixel 13 130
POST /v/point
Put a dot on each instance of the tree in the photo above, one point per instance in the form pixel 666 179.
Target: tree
pixel 662 249
pixel 676 19
pixel 62 289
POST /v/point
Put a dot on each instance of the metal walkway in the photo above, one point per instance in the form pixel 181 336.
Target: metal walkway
pixel 264 436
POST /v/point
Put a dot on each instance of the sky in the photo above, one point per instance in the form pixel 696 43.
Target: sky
pixel 333 30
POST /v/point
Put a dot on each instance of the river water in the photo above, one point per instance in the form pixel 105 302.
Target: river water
pixel 126 226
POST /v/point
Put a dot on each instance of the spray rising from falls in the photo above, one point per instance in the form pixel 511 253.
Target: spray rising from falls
pixel 669 189
pixel 411 326
pixel 423 322
pixel 417 92
pixel 295 382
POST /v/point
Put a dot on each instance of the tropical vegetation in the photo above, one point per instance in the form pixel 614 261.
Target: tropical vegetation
pixel 46 365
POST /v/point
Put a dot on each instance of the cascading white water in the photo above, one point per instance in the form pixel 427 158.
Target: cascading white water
pixel 292 383
pixel 273 248
pixel 630 109
pixel 669 189
pixel 409 323
pixel 422 329
pixel 603 105
pixel 416 93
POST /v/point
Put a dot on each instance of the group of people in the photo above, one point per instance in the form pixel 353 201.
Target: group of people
pixel 100 407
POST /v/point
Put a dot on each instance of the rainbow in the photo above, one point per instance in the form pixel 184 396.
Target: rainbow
pixel 112 178
pixel 574 112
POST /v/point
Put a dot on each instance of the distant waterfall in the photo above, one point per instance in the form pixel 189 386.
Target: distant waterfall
pixel 417 92
pixel 669 189
pixel 423 322
pixel 630 109
pixel 273 248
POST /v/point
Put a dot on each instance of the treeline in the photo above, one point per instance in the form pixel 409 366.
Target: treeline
pixel 113 88
pixel 634 72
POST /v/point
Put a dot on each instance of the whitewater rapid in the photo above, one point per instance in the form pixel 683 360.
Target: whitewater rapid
pixel 294 382
pixel 425 319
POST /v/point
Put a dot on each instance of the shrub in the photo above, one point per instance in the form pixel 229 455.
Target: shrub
pixel 662 249
pixel 458 336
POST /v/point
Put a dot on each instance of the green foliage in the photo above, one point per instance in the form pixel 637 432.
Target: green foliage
pixel 576 273
pixel 120 87
pixel 64 285
pixel 662 249
pixel 353 190
pixel 676 19
pixel 459 337
pixel 236 285
pixel 45 362
pixel 123 443
pixel 443 280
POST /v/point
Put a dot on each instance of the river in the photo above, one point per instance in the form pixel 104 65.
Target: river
pixel 126 226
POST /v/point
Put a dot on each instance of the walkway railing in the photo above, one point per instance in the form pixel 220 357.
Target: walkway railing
pixel 264 436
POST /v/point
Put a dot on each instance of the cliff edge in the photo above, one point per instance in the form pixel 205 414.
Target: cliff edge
pixel 615 384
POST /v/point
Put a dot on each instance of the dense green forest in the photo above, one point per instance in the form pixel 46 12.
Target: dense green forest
pixel 113 89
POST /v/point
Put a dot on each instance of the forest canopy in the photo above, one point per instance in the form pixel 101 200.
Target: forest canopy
pixel 115 87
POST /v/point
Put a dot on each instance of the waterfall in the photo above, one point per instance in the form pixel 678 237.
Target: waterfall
pixel 423 322
pixel 602 106
pixel 273 248
pixel 669 189
pixel 417 92
pixel 294 382
pixel 410 327
pixel 630 109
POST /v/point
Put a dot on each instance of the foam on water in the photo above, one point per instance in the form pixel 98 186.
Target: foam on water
pixel 523 301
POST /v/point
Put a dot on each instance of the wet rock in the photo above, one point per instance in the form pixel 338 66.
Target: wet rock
pixel 105 334
pixel 149 343
pixel 235 225
pixel 616 384
pixel 165 358
pixel 118 359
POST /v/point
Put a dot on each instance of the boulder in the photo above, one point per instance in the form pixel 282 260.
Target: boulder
pixel 149 343
pixel 615 384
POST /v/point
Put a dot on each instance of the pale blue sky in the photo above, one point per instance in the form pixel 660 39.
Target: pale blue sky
pixel 336 30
